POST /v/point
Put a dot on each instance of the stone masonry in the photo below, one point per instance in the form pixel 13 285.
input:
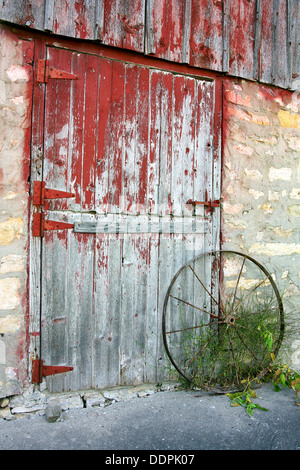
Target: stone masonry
pixel 15 122
pixel 261 188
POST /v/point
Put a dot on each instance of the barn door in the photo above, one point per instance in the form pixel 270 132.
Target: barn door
pixel 129 151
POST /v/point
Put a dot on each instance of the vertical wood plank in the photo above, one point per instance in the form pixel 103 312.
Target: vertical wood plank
pixel 242 16
pixel 90 133
pixel 165 20
pixel 206 49
pixel 274 50
pixel 57 128
pixel 76 132
pixel 77 20
pixel 280 72
pixel 104 136
pixel 293 44
pixel 123 24
pixel 165 147
pixel 102 335
pixel 36 175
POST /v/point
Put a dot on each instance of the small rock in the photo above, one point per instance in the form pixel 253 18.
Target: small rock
pixel 4 402
pixel 5 413
pixel 53 411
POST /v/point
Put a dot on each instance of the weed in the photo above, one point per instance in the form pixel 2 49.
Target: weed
pixel 281 375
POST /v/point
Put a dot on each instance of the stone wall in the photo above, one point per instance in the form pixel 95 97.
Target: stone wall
pixel 15 122
pixel 261 188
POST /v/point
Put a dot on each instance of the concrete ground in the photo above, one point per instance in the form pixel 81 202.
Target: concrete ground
pixel 177 421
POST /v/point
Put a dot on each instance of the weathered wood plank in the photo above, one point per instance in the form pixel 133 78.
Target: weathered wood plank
pixel 36 175
pixel 165 22
pixel 122 23
pixel 293 43
pixel 252 39
pixel 90 133
pixel 76 20
pixel 241 35
pixel 205 48
pixel 273 51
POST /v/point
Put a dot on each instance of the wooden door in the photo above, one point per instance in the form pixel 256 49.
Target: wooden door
pixel 133 144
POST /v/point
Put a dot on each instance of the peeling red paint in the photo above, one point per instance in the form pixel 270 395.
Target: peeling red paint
pixel 81 28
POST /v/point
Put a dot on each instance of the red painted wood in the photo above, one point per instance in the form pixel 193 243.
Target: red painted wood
pixel 166 29
pixel 241 35
pixel 199 32
pixel 205 48
pixel 76 137
pixel 90 111
pixel 57 119
pixel 104 136
pixel 116 132
pixel 123 24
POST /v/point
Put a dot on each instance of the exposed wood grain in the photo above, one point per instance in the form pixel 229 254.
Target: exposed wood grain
pixel 252 39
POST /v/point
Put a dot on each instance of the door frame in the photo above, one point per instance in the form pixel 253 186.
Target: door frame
pixel 42 41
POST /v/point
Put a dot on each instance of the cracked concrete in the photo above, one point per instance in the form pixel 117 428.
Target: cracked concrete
pixel 163 421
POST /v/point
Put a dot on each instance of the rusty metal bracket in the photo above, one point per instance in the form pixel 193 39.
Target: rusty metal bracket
pixel 40 370
pixel 44 72
pixel 40 225
pixel 40 193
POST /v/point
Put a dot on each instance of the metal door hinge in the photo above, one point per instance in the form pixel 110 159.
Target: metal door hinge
pixel 44 72
pixel 40 370
pixel 40 193
pixel 41 225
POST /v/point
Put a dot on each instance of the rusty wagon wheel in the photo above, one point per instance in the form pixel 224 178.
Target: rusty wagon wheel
pixel 222 318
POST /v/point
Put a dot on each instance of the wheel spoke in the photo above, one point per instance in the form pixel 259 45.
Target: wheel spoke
pixel 248 349
pixel 199 352
pixel 237 283
pixel 195 327
pixel 209 293
pixel 218 350
pixel 248 295
pixel 233 358
pixel 194 306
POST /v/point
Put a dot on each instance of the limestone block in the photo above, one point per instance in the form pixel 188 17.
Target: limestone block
pixel 275 249
pixel 9 293
pixel 11 263
pixel 288 119
pixel 294 210
pixel 10 229
pixel 283 174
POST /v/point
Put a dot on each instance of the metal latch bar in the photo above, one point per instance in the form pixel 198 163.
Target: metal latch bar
pixel 210 205
pixel 215 203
